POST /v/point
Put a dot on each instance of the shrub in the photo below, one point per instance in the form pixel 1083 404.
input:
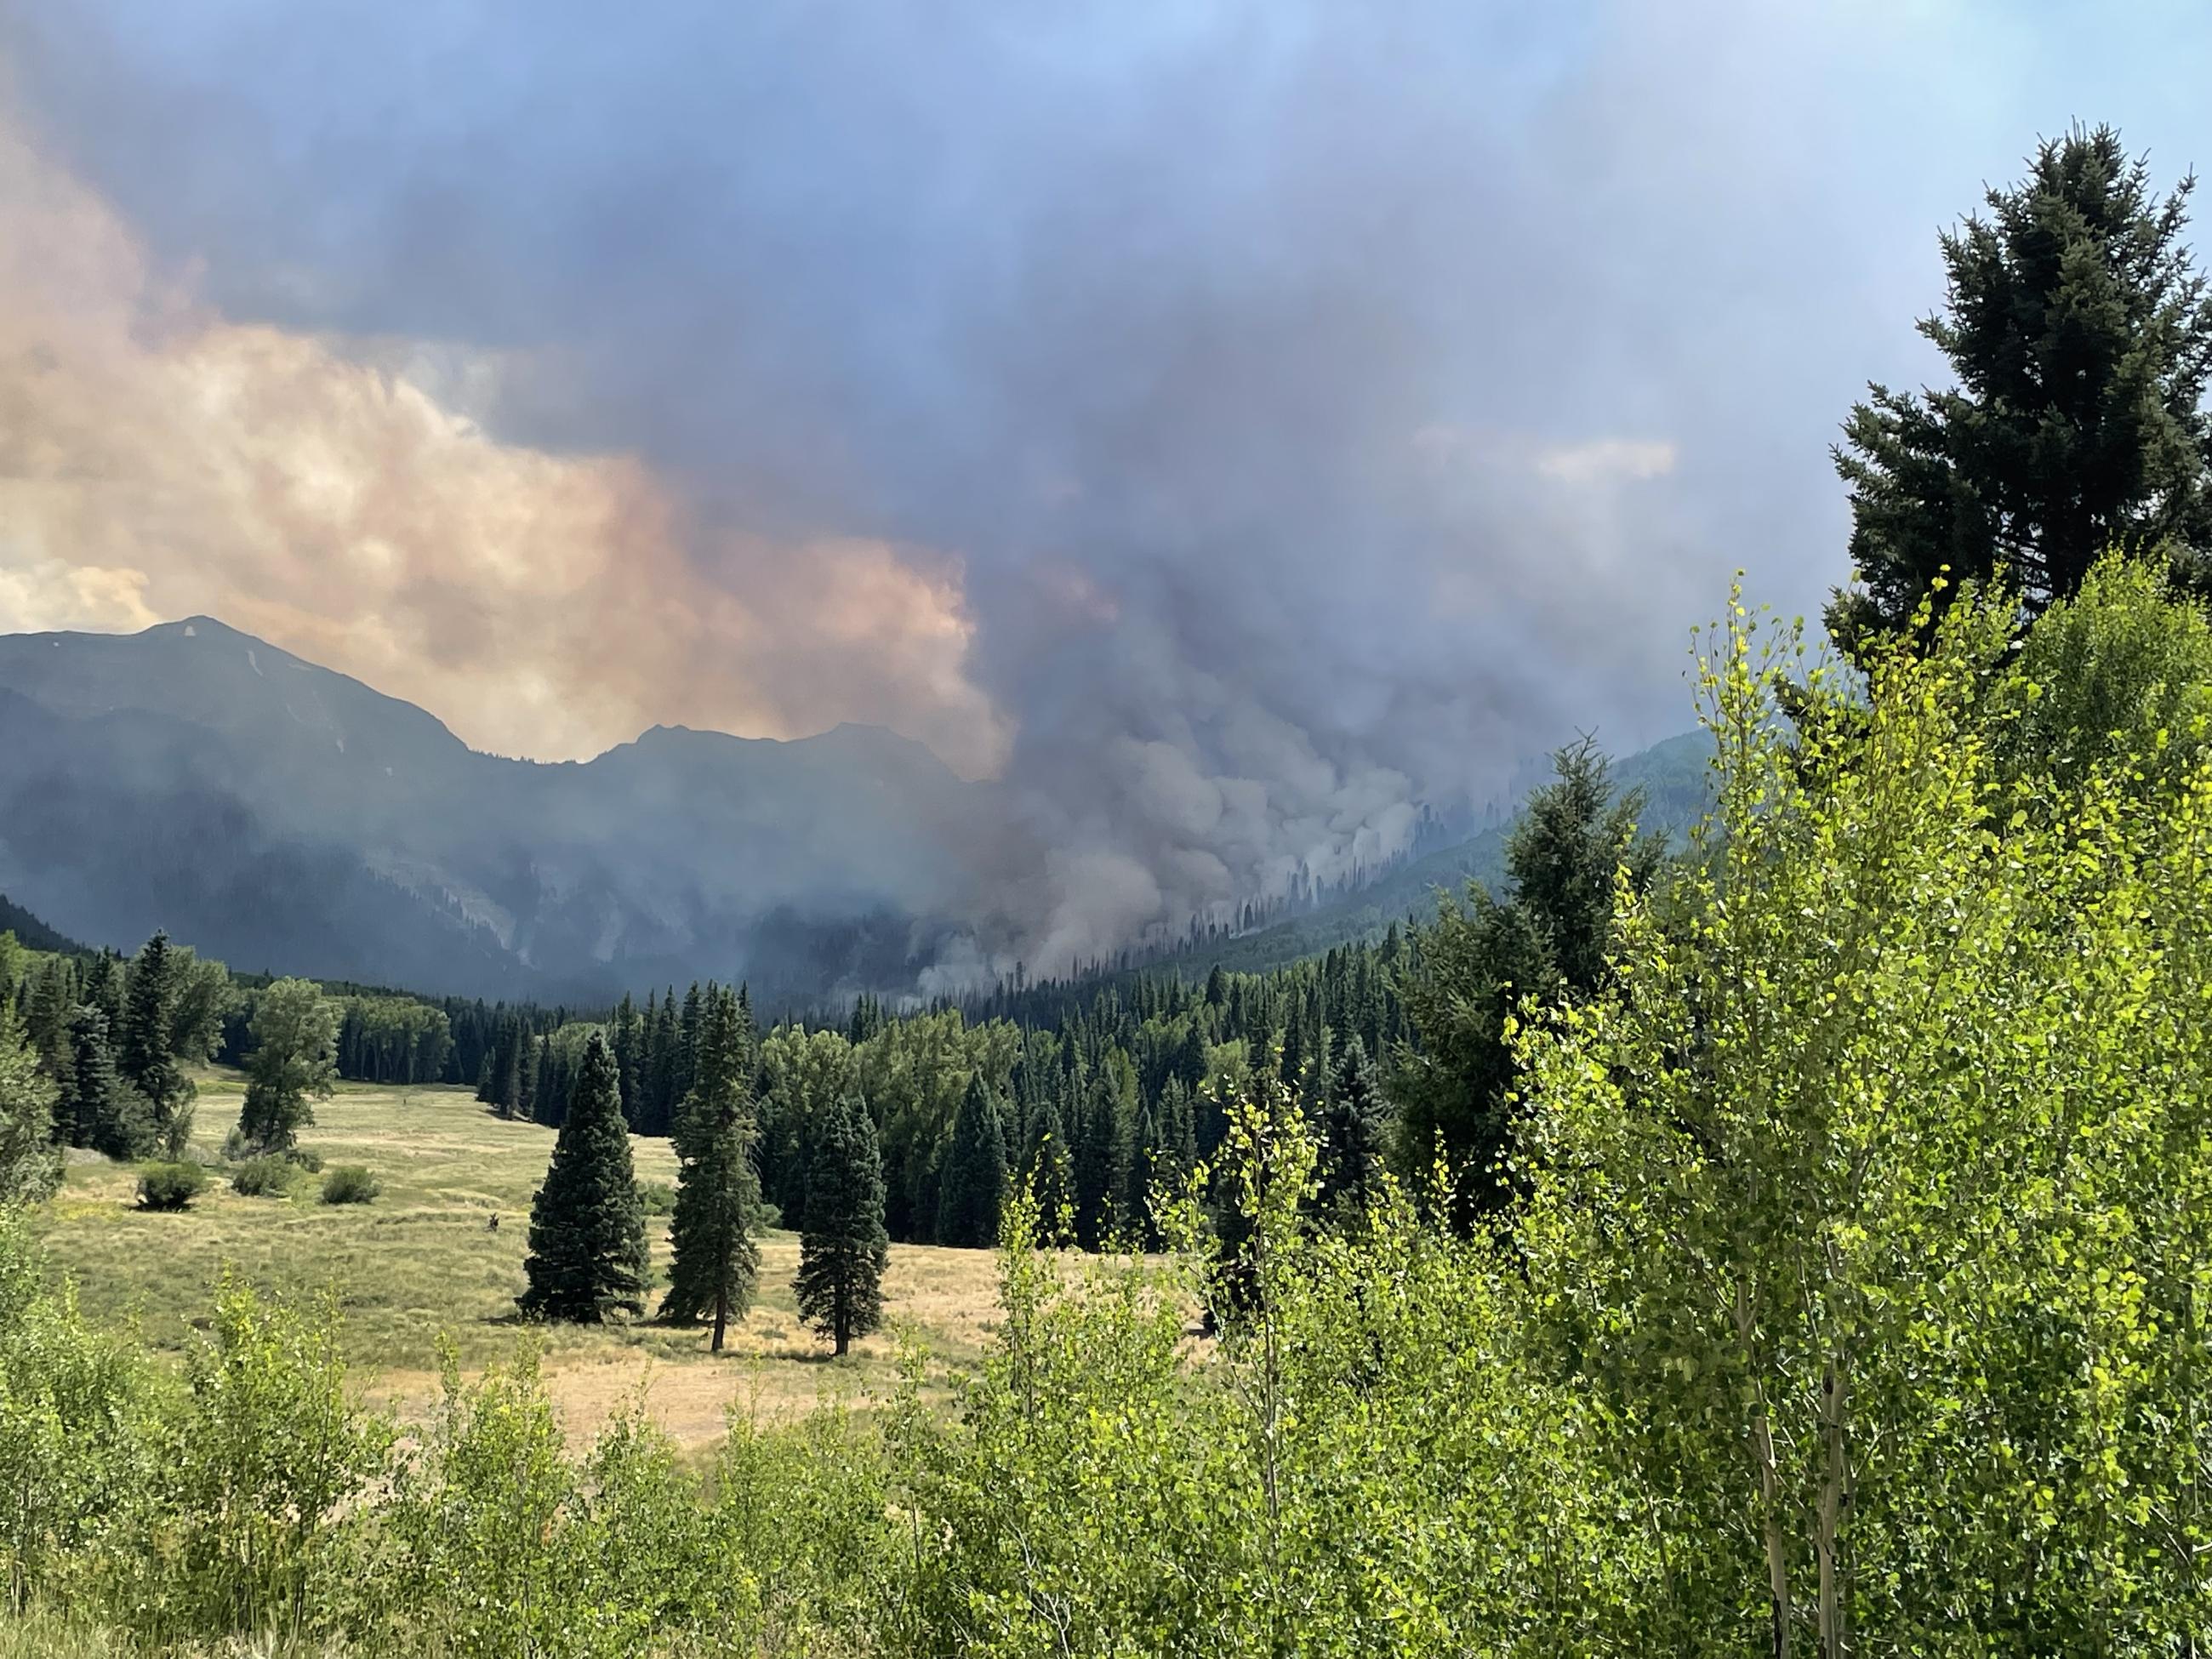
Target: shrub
pixel 266 1176
pixel 311 1162
pixel 659 1197
pixel 349 1184
pixel 170 1186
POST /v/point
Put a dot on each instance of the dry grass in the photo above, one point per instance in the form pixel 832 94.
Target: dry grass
pixel 422 1260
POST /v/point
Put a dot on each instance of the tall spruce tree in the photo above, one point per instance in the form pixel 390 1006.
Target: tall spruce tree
pixel 629 1056
pixel 974 1188
pixel 587 1249
pixel 53 1000
pixel 844 1248
pixel 1352 1132
pixel 2081 338
pixel 550 1098
pixel 142 1051
pixel 1046 1167
pixel 717 1261
pixel 101 1110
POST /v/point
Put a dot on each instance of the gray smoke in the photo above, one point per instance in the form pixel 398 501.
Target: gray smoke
pixel 1331 405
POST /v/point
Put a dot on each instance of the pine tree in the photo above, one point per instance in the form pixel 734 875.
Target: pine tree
pixel 550 1096
pixel 657 1099
pixel 1351 1132
pixel 629 1057
pixel 30 1163
pixel 2081 338
pixel 1046 1167
pixel 587 1247
pixel 718 1191
pixel 974 1188
pixel 142 1049
pixel 101 1110
pixel 525 1082
pixel 1094 1167
pixel 53 1000
pixel 844 1248
pixel 687 1045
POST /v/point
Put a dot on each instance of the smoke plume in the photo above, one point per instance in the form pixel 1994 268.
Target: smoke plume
pixel 1232 425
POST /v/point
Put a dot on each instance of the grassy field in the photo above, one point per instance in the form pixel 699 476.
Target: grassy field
pixel 423 1260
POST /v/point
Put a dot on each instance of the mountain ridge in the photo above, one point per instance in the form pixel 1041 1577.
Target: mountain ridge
pixel 287 817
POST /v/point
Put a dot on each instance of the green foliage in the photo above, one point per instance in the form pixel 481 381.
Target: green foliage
pixel 96 1107
pixel 71 1452
pixel 1468 971
pixel 1871 1201
pixel 718 1191
pixel 349 1184
pixel 269 1176
pixel 259 1464
pixel 30 1163
pixel 2117 680
pixel 1855 1301
pixel 805 1076
pixel 843 1248
pixel 587 1250
pixel 974 1182
pixel 292 1062
pixel 170 1186
pixel 144 1056
pixel 2081 338
pixel 388 1039
pixel 1353 1122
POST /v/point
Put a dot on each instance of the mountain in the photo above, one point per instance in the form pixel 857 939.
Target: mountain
pixel 31 933
pixel 281 815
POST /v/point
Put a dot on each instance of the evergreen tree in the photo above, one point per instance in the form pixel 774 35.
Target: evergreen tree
pixel 102 1111
pixel 1352 1132
pixel 293 1063
pixel 974 1188
pixel 1472 967
pixel 844 1248
pixel 103 990
pixel 53 1001
pixel 525 1104
pixel 629 1057
pixel 1046 1168
pixel 1095 1169
pixel 30 1163
pixel 142 1050
pixel 587 1247
pixel 2081 338
pixel 718 1191
pixel 656 1099
pixel 687 1045
pixel 550 1096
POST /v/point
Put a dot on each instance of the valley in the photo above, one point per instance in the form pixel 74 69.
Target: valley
pixel 421 1266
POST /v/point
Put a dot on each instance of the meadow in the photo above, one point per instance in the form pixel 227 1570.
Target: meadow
pixel 424 1263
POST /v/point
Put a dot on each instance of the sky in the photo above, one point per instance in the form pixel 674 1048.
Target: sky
pixel 1230 423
